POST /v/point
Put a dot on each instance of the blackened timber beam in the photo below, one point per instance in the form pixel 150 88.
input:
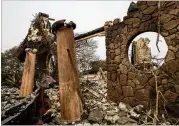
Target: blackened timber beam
pixel 89 34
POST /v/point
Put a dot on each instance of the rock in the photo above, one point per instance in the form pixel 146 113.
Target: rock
pixel 152 82
pixel 122 120
pixel 170 56
pixel 139 94
pixel 128 21
pixel 131 121
pixel 131 75
pixel 138 108
pixel 146 18
pixel 170 3
pixel 123 107
pixel 108 118
pixel 123 69
pixel 169 39
pixel 166 18
pixel 164 33
pixel 112 56
pixel 113 76
pixel 124 30
pixel 122 114
pixel 170 25
pixel 178 27
pixel 172 31
pixel 117 51
pixel 170 96
pixel 150 10
pixel 133 114
pixel 111 46
pixel 96 116
pixel 108 75
pixel 136 22
pixel 117 60
pixel 142 7
pixel 116 21
pixel 123 79
pixel 114 119
pixel 130 83
pixel 174 11
pixel 164 81
pixel 143 80
pixel 176 88
pixel 111 112
pixel 173 66
pixel 136 81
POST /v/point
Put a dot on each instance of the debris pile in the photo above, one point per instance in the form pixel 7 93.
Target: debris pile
pixel 10 100
pixel 97 109
pixel 10 97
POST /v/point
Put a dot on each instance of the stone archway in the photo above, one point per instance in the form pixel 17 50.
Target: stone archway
pixel 125 83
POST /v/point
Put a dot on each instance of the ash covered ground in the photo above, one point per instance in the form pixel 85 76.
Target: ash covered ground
pixel 97 111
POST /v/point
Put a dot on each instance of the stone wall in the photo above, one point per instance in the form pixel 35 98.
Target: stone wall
pixel 125 82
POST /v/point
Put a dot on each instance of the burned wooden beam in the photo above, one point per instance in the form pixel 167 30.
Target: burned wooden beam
pixel 92 33
pixel 69 87
pixel 28 74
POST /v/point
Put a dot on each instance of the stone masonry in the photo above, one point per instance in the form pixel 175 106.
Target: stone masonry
pixel 126 83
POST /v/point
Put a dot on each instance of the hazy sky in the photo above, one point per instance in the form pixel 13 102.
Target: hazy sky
pixel 88 15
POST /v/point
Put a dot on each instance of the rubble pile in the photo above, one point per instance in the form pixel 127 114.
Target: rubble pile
pixel 100 110
pixel 11 101
pixel 54 111
pixel 10 97
pixel 97 109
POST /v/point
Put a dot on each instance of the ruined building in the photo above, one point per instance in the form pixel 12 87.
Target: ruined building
pixel 127 84
pixel 141 54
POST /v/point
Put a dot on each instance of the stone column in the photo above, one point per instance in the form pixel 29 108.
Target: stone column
pixel 69 88
pixel 28 74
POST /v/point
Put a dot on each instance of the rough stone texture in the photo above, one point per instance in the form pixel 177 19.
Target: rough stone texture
pixel 174 12
pixel 170 56
pixel 127 84
pixel 170 25
pixel 116 21
pixel 123 69
pixel 117 51
pixel 123 79
pixel 131 75
pixel 166 18
pixel 149 10
pixel 96 115
pixel 130 83
pixel 113 76
pixel 170 96
pixel 127 91
pixel 117 59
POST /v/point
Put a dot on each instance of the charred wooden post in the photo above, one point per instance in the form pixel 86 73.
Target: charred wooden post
pixel 69 88
pixel 28 74
pixel 39 37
